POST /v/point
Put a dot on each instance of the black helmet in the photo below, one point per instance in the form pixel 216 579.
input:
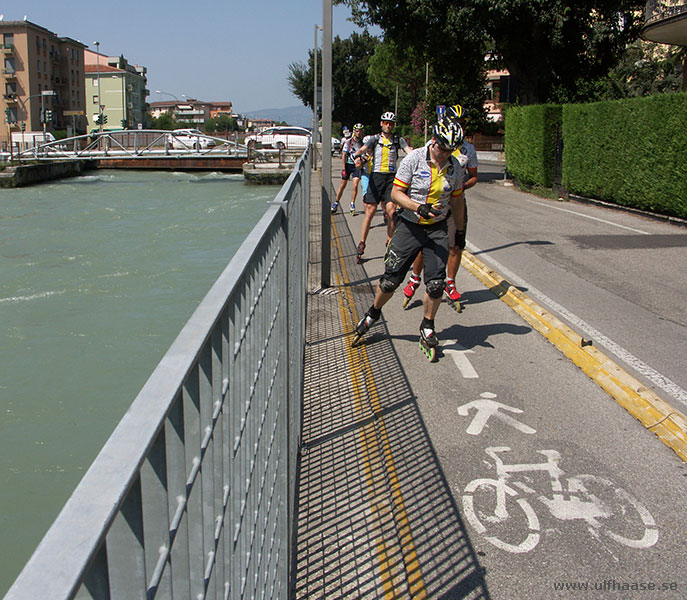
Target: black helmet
pixel 448 133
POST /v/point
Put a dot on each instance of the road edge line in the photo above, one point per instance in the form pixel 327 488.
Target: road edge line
pixel 654 412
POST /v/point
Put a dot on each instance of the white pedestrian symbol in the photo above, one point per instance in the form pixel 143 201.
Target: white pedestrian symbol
pixel 485 408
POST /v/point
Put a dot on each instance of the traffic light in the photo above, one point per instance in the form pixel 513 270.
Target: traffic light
pixel 48 116
pixel 104 118
pixel 98 119
pixel 7 116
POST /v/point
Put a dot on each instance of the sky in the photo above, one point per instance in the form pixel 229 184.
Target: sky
pixel 232 50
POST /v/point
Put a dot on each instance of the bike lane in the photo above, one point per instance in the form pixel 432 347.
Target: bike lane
pixel 561 488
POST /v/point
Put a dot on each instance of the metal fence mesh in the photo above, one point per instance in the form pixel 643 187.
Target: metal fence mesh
pixel 192 495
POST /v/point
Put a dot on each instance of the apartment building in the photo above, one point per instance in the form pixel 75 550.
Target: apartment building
pixel 42 80
pixel 119 87
pixel 191 110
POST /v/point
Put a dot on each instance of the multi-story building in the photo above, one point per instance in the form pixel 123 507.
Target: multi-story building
pixel 42 80
pixel 119 87
pixel 191 110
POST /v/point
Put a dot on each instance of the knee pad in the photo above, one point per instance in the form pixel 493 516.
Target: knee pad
pixel 387 285
pixel 435 288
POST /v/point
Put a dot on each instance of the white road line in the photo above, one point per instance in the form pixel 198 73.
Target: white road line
pixel 457 353
pixel 661 381
pixel 579 214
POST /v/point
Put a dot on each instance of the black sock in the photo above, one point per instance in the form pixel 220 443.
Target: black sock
pixel 427 323
pixel 374 312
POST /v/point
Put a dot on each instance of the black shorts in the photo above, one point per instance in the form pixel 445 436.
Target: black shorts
pixel 379 189
pixel 350 171
pixel 408 241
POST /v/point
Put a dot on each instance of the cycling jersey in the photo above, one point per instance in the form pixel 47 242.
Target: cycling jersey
pixel 350 147
pixel 385 152
pixel 425 183
pixel 467 155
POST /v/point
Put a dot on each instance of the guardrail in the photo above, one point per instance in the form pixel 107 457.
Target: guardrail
pixel 192 495
pixel 657 10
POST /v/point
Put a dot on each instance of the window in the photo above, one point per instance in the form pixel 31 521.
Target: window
pixel 95 82
pixel 38 66
pixel 95 99
pixel 8 40
pixel 10 88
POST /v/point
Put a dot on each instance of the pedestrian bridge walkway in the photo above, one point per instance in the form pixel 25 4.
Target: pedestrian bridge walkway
pixel 375 515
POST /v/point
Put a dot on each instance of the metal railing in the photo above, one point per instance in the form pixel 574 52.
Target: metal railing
pixel 136 144
pixel 658 10
pixel 192 495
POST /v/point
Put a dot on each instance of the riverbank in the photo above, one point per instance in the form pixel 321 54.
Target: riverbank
pixel 23 175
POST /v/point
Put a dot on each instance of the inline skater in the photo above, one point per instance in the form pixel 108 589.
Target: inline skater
pixel 468 156
pixel 384 148
pixel 349 169
pixel 344 174
pixel 428 184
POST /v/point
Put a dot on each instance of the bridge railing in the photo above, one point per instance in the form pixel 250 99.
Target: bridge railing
pixel 133 144
pixel 192 495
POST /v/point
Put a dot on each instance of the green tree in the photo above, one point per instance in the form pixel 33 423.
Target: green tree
pixel 646 68
pixel 551 48
pixel 221 123
pixel 164 121
pixel 355 100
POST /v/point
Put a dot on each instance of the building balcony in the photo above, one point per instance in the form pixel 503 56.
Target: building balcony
pixel 7 48
pixel 665 22
pixel 9 74
pixel 10 98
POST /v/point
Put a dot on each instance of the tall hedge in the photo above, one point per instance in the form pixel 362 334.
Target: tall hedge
pixel 531 142
pixel 631 152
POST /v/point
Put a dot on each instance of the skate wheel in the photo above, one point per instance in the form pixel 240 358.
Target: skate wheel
pixel 356 340
pixel 406 301
pixel 430 353
pixel 457 306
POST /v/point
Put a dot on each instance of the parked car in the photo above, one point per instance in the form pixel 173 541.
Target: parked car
pixel 292 138
pixel 190 139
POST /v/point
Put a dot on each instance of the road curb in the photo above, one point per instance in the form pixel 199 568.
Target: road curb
pixel 669 424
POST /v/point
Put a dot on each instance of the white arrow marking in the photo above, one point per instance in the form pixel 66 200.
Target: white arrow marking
pixel 457 352
pixel 485 408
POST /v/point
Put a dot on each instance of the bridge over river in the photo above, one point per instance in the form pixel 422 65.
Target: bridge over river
pixel 156 149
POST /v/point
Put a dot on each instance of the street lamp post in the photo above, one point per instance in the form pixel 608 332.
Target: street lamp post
pixel 100 106
pixel 173 96
pixel 315 129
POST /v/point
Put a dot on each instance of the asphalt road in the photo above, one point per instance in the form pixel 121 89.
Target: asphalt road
pixel 563 493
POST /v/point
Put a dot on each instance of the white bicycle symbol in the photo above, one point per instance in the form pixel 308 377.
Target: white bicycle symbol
pixel 490 506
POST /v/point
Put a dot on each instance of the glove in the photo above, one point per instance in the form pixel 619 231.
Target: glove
pixel 427 211
pixel 343 174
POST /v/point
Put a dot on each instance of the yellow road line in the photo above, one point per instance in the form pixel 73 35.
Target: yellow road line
pixel 651 410
pixel 377 450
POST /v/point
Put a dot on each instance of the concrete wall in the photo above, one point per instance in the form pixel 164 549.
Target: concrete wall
pixel 21 175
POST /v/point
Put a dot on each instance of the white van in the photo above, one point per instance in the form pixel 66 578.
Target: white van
pixel 28 139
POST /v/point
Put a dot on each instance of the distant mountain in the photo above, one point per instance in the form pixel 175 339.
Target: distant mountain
pixel 300 116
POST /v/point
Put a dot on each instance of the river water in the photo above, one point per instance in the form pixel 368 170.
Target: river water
pixel 98 274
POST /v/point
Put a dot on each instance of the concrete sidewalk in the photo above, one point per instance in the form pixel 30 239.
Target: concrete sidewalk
pixel 376 517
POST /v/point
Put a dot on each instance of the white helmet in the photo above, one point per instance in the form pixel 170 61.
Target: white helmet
pixel 388 116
